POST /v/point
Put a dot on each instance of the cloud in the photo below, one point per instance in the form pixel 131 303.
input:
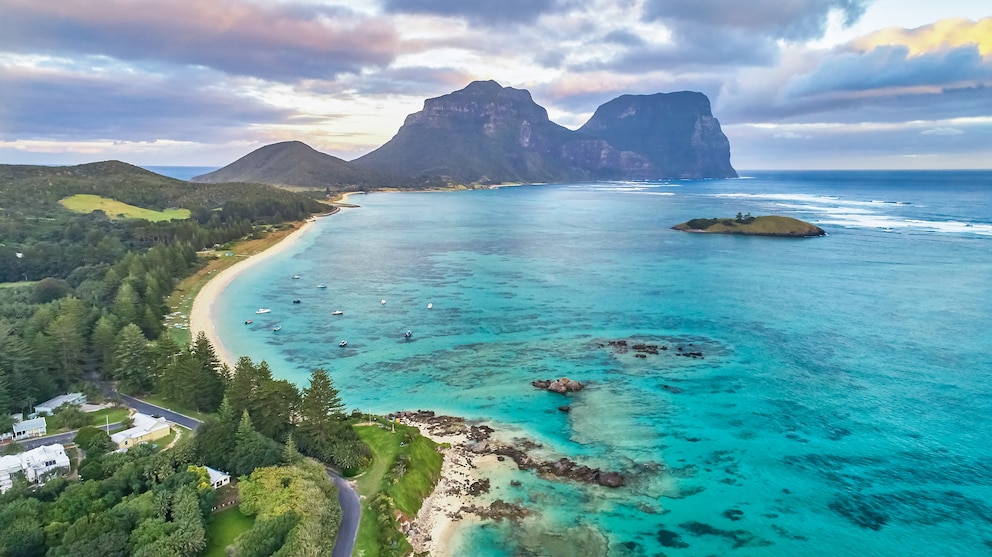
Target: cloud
pixel 484 13
pixel 279 42
pixel 942 131
pixel 56 104
pixel 941 35
pixel 892 67
pixel 792 20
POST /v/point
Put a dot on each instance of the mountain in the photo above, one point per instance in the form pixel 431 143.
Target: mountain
pixel 291 163
pixel 487 133
pixel 675 131
pixel 482 133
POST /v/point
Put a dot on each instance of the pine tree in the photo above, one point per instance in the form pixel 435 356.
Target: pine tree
pixel 321 411
pixel 103 340
pixel 290 454
pixel 133 360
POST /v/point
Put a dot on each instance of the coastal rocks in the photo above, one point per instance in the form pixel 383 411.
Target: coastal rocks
pixel 562 385
pixel 565 408
pixel 498 510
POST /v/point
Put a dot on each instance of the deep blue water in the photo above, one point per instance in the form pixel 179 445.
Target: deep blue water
pixel 842 405
pixel 180 172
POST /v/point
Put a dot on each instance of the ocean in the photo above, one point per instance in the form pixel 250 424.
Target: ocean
pixel 840 402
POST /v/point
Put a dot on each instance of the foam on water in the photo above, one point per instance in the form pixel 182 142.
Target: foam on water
pixel 840 407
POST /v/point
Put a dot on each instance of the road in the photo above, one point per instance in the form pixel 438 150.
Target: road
pixel 351 513
pixel 152 410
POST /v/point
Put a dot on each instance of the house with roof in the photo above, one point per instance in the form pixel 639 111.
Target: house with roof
pixel 37 465
pixel 49 406
pixel 146 429
pixel 30 428
pixel 218 479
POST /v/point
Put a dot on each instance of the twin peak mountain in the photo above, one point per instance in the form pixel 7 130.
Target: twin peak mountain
pixel 489 134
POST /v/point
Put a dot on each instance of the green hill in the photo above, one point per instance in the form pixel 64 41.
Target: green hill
pixel 37 190
pixel 783 227
pixel 293 163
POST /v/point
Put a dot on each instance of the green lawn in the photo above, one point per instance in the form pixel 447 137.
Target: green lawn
pixel 223 528
pixel 87 203
pixel 16 284
pixel 101 417
pixel 423 469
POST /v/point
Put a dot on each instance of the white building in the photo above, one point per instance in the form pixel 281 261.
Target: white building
pixel 217 478
pixel 48 407
pixel 146 428
pixel 36 464
pixel 30 428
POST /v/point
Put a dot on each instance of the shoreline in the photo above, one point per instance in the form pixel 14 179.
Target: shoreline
pixel 200 315
pixel 445 511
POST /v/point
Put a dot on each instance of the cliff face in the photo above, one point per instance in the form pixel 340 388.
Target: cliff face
pixel 483 133
pixel 488 133
pixel 676 132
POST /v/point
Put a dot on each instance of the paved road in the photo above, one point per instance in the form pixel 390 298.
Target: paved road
pixel 152 410
pixel 60 438
pixel 351 513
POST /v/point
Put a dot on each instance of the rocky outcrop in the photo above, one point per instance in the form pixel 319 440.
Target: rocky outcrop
pixel 562 385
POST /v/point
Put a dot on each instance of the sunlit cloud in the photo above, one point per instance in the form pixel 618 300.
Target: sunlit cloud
pixel 941 35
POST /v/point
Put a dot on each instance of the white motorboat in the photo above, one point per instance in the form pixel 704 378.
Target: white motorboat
pixel 430 306
pixel 262 310
pixel 338 312
pixel 343 343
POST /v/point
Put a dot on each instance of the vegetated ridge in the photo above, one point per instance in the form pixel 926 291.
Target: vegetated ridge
pixel 783 227
pixel 490 134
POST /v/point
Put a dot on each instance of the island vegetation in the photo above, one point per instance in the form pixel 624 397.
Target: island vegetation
pixel 85 300
pixel 746 225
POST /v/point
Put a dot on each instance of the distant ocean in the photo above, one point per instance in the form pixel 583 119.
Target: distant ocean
pixel 180 172
pixel 842 404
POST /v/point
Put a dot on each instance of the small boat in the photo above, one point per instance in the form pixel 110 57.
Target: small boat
pixel 260 311
pixel 295 277
pixel 408 334
pixel 338 312
pixel 382 302
pixel 430 306
pixel 321 285
pixel 296 301
pixel 343 343
pixel 247 321
pixel 277 327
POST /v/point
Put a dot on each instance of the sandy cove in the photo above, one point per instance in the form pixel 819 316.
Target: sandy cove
pixel 200 316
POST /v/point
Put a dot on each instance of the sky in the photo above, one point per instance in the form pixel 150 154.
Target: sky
pixel 795 84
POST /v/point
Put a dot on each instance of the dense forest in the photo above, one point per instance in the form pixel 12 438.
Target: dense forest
pixel 92 286
pixel 82 296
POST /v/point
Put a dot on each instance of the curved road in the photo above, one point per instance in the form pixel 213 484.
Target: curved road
pixel 351 510
pixel 351 513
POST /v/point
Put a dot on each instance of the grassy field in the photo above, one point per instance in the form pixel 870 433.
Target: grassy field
pixel 223 528
pixel 756 226
pixel 101 417
pixel 405 449
pixel 87 203
pixel 16 284
pixel 182 297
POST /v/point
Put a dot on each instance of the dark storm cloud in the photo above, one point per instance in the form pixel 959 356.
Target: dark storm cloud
pixel 41 104
pixel 281 42
pixel 892 66
pixel 793 19
pixel 485 12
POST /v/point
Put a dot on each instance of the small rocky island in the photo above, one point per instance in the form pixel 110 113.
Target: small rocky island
pixel 746 225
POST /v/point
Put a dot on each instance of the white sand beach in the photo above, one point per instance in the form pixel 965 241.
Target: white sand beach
pixel 200 317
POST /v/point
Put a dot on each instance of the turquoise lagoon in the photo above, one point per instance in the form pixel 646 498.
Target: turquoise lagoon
pixel 843 404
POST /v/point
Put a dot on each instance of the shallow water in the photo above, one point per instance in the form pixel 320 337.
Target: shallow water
pixel 840 407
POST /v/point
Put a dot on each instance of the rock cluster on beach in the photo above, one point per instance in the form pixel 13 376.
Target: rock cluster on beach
pixel 479 442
